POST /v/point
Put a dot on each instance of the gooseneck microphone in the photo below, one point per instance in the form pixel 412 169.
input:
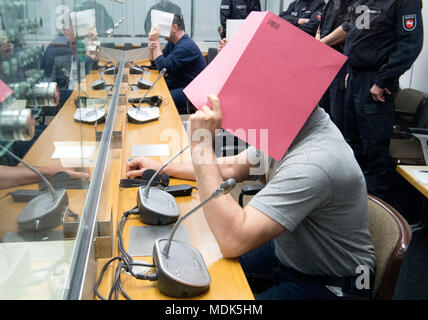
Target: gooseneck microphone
pixel 180 268
pixel 161 73
pixel 156 206
pixel 143 115
pixel 223 189
pixel 46 210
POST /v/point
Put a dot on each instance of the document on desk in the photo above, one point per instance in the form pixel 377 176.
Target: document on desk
pixel 150 150
pixel 75 153
pixel 269 78
pixel 421 175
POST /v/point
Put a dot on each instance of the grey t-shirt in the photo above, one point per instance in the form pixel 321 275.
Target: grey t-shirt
pixel 318 193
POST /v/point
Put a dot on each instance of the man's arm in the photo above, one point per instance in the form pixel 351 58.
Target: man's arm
pixel 312 25
pixel 15 176
pixel 237 167
pixel 286 15
pixel 237 230
pixel 409 42
pixel 335 37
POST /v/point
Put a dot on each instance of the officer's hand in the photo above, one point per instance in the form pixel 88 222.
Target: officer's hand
pixel 346 80
pixel 302 21
pixel 378 93
pixel 205 122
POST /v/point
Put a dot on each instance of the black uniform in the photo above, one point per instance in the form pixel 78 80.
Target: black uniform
pixel 335 14
pixel 378 55
pixel 236 9
pixel 305 9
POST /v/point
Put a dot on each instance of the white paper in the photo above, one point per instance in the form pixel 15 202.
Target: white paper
pixel 82 21
pixel 73 150
pixel 150 150
pixel 421 176
pixel 163 22
pixel 232 25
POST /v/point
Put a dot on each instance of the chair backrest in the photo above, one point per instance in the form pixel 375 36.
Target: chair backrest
pixel 410 105
pixel 391 236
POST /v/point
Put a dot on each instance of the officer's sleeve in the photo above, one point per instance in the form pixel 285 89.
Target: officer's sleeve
pixel 409 39
pixel 311 27
pixel 286 15
pixel 224 12
pixel 256 6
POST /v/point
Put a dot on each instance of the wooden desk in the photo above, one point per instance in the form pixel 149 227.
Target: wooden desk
pixel 227 278
pixel 408 173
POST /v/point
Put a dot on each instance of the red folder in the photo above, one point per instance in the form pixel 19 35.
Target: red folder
pixel 269 79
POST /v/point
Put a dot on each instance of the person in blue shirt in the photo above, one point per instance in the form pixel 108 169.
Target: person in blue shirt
pixel 181 57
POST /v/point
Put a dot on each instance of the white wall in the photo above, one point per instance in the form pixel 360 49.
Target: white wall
pixel 417 77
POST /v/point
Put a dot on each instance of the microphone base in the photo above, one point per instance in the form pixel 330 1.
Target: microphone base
pixel 90 115
pixel 144 84
pixel 143 115
pixel 183 273
pixel 43 212
pixel 136 70
pixel 98 85
pixel 158 208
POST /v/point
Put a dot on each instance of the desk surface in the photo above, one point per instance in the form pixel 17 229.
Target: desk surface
pixel 227 278
pixel 408 173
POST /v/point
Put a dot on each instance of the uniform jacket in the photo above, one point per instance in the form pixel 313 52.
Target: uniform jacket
pixel 392 41
pixel 305 9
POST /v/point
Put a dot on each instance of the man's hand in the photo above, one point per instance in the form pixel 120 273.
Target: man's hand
pixel 136 167
pixel 154 34
pixel 205 122
pixel 302 21
pixel 378 93
pixel 222 44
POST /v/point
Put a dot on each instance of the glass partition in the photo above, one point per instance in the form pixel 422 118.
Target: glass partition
pixel 61 73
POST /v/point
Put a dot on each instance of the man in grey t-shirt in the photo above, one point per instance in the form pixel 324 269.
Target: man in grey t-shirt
pixel 306 233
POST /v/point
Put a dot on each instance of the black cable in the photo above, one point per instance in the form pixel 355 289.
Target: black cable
pixel 125 262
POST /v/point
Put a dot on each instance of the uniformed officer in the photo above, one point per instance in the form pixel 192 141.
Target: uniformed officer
pixel 305 14
pixel 236 9
pixel 334 15
pixel 383 42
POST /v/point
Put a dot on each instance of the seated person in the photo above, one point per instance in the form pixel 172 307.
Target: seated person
pixel 16 176
pixel 305 235
pixel 236 9
pixel 162 5
pixel 305 14
pixel 60 62
pixel 181 57
pixel 103 20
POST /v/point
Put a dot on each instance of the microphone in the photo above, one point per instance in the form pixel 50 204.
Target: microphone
pixel 181 271
pixel 99 84
pixel 156 206
pixel 146 84
pixel 46 210
pixel 139 115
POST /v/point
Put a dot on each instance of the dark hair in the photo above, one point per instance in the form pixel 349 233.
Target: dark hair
pixel 179 21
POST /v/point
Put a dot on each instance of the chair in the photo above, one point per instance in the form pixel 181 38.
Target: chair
pixel 411 111
pixel 391 236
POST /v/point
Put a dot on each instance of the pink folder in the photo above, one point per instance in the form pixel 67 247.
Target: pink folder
pixel 5 91
pixel 269 78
